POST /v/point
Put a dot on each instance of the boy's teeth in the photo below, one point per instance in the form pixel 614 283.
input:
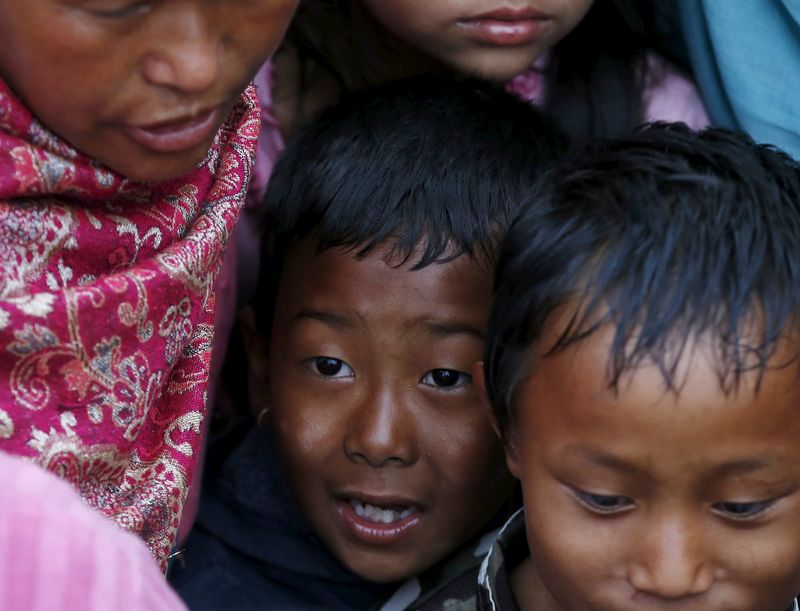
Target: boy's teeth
pixel 373 513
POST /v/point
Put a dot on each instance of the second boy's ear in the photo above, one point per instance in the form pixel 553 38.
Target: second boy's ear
pixel 479 380
pixel 257 365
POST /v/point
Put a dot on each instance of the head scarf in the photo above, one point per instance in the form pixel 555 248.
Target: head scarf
pixel 106 310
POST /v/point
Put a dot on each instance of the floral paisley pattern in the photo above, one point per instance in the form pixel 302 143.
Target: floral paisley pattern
pixel 106 311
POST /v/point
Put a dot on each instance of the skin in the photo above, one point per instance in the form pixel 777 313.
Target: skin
pixel 380 420
pixel 91 69
pixel 437 29
pixel 644 499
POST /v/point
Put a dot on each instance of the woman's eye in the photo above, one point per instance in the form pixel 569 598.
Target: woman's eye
pixel 603 503
pixel 446 378
pixel 330 367
pixel 742 511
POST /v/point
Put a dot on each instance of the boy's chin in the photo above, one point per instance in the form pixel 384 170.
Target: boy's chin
pixel 384 567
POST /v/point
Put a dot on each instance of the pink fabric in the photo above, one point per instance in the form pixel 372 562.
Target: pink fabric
pixel 225 292
pixel 243 247
pixel 668 94
pixel 56 554
pixel 106 310
pixel 270 141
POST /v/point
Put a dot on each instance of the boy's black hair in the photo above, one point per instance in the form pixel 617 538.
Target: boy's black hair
pixel 666 235
pixel 437 166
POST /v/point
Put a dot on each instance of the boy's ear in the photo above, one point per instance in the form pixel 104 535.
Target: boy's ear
pixel 257 364
pixel 479 379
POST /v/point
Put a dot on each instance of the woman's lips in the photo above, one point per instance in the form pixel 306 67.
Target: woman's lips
pixel 175 136
pixel 377 524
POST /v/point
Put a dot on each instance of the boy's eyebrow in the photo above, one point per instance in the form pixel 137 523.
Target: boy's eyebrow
pixel 738 467
pixel 733 467
pixel 442 329
pixel 328 318
pixel 435 328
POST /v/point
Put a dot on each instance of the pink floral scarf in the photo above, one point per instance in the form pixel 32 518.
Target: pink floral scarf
pixel 106 310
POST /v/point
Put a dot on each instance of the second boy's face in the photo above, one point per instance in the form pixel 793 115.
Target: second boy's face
pixel 386 446
pixel 140 85
pixel 645 500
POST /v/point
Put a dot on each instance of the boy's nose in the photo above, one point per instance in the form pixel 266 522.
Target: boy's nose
pixel 671 562
pixel 381 431
pixel 186 57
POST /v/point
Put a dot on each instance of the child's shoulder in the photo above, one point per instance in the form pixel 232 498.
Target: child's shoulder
pixel 482 584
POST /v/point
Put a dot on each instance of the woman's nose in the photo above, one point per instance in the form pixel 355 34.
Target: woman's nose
pixel 187 56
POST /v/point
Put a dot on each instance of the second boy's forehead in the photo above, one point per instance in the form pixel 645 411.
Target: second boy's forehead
pixel 566 404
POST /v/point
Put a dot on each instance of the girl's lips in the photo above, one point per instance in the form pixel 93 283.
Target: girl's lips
pixel 176 136
pixel 504 33
pixel 375 532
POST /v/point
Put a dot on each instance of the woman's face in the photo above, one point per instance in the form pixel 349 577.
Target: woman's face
pixel 140 85
pixel 493 39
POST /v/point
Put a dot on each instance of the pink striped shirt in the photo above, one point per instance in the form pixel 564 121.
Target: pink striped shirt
pixel 57 554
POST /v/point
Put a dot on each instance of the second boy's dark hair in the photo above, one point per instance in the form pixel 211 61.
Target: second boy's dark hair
pixel 435 166
pixel 665 236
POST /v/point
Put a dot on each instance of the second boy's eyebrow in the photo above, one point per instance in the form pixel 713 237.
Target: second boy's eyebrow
pixel 607 460
pixel 733 467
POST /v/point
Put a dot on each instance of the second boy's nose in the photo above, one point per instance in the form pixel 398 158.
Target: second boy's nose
pixel 381 430
pixel 671 562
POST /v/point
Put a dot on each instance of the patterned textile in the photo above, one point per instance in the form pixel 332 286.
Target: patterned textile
pixel 106 305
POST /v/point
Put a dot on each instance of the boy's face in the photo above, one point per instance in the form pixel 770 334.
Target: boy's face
pixel 140 85
pixel 648 500
pixel 386 446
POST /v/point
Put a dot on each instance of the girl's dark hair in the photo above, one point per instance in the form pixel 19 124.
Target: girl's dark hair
pixel 595 77
pixel 665 236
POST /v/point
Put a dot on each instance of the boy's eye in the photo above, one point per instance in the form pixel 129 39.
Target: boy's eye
pixel 119 10
pixel 603 503
pixel 742 511
pixel 446 378
pixel 330 367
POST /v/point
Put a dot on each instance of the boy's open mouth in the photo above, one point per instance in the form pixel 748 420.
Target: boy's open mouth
pixel 381 515
pixel 378 521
